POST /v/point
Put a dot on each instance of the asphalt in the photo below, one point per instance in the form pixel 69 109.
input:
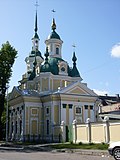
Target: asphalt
pixel 45 148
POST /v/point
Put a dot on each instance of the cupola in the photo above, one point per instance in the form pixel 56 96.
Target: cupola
pixel 54 42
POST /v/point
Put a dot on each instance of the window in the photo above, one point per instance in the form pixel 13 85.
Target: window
pixel 50 48
pixel 57 50
pixel 91 107
pixel 70 106
pixel 12 127
pixel 47 127
pixel 64 105
pixel 47 110
pixel 16 127
pixel 20 126
pixel 63 69
pixel 78 110
pixel 86 106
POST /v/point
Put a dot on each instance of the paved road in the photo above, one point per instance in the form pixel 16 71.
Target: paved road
pixel 33 155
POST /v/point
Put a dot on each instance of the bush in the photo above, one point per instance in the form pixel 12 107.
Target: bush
pixel 80 143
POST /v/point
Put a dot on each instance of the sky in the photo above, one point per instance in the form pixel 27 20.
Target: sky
pixel 92 25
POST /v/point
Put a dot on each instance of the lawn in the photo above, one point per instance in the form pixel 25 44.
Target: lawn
pixel 101 146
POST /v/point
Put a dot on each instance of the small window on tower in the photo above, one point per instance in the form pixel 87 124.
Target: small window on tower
pixel 47 110
pixel 51 48
pixel 57 50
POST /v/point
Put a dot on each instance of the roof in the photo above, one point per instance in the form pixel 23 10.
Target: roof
pixel 45 68
pixel 36 36
pixel 75 72
pixel 106 100
pixel 37 53
pixel 54 35
pixel 52 65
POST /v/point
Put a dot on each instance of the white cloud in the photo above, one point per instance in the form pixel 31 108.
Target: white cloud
pixel 115 51
pixel 100 93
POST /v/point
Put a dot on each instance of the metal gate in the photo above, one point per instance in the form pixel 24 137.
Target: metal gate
pixel 69 133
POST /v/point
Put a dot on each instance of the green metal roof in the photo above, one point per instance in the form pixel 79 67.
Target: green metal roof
pixel 36 36
pixel 75 72
pixel 45 68
pixel 53 35
pixel 52 66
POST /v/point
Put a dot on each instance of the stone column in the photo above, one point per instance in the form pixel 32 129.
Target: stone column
pixel 63 129
pixel 107 132
pixel 22 118
pixel 13 134
pixel 89 129
pixel 10 126
pixel 74 130
pixel 18 124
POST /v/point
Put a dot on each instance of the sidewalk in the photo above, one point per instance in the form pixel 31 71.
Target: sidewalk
pixel 45 148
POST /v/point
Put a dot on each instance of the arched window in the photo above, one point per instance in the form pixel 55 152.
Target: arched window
pixel 47 126
pixel 57 50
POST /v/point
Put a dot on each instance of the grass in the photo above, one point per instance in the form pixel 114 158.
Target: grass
pixel 80 145
pixel 101 146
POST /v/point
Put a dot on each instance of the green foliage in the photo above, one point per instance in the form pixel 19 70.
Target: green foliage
pixel 7 59
pixel 80 143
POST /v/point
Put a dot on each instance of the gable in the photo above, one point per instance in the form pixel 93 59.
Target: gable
pixel 14 94
pixel 78 88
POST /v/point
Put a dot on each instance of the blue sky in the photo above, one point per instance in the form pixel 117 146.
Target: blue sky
pixel 92 25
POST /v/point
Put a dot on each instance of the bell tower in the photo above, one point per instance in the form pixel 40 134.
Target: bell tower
pixel 35 53
pixel 54 42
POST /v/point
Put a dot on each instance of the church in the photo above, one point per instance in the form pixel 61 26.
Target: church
pixel 49 94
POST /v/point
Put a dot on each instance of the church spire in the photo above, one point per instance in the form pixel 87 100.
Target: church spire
pixel 36 28
pixel 75 72
pixel 53 25
pixel 74 59
pixel 46 55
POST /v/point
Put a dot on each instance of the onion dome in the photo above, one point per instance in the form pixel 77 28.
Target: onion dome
pixel 74 71
pixel 54 63
pixel 46 66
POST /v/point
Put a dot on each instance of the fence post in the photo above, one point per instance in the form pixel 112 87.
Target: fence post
pixel 63 129
pixel 74 130
pixel 107 132
pixel 89 129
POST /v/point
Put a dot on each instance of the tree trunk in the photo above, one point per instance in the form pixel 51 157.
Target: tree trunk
pixel 2 98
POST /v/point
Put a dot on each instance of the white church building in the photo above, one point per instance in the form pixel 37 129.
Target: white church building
pixel 50 92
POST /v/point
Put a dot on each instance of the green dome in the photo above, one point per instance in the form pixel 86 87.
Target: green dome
pixel 45 68
pixel 54 65
pixel 53 35
pixel 51 66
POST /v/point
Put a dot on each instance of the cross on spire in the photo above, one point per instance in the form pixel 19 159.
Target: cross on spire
pixel 53 11
pixel 74 46
pixel 36 4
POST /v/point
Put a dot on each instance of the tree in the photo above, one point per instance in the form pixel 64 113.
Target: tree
pixel 7 59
